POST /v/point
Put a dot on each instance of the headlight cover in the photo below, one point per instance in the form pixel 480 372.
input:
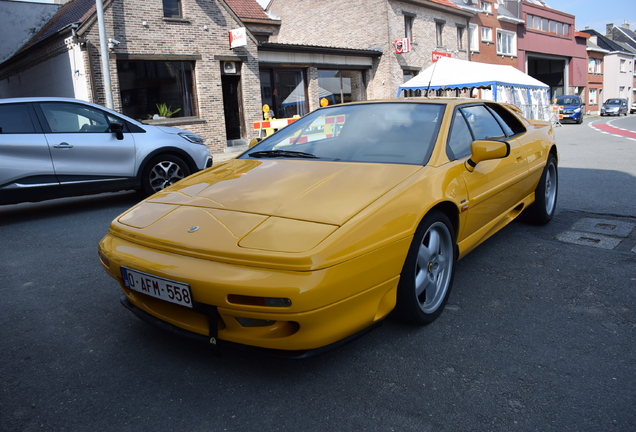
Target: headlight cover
pixel 192 137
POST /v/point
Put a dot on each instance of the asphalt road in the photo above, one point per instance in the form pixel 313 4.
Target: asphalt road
pixel 538 335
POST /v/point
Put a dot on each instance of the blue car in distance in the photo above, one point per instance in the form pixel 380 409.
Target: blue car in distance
pixel 573 108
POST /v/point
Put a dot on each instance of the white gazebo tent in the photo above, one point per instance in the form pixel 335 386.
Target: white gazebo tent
pixel 506 84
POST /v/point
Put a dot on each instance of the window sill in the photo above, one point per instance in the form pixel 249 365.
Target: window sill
pixel 176 20
pixel 179 121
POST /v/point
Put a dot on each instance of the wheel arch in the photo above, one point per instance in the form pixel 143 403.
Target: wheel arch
pixel 173 151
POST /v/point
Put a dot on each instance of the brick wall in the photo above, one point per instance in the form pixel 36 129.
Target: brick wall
pixel 370 24
pixel 202 34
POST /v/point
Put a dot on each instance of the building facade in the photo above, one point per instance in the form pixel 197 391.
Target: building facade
pixel 550 48
pixel 595 67
pixel 172 53
pixel 400 38
pixel 618 67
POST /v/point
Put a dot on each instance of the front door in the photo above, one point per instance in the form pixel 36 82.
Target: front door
pixel 231 105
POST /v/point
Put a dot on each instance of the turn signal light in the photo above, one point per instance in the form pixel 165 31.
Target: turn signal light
pixel 259 301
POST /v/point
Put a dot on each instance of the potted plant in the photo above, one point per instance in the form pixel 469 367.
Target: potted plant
pixel 165 111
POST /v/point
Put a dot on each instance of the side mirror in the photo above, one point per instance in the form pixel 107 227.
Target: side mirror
pixel 482 150
pixel 254 141
pixel 118 130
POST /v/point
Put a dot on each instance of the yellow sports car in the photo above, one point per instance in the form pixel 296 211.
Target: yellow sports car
pixel 317 233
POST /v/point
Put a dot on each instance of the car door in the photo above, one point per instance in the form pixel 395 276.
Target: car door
pixel 25 161
pixel 495 185
pixel 83 148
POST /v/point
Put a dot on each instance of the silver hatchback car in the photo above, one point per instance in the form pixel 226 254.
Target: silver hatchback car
pixel 58 147
pixel 615 106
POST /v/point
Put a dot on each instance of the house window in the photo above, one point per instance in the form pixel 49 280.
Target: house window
pixel 506 43
pixel 146 84
pixel 623 64
pixel 460 37
pixel 544 24
pixel 486 34
pixel 592 96
pixel 486 7
pixel 409 74
pixel 439 28
pixel 408 26
pixel 594 66
pixel 172 8
pixel 473 31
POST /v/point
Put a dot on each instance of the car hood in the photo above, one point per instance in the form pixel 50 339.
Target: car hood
pixel 250 207
pixel 323 192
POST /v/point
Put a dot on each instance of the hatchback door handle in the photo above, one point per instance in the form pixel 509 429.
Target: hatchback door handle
pixel 63 145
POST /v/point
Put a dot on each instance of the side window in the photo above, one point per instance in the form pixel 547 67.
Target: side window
pixel 510 123
pixel 74 118
pixel 15 118
pixel 482 123
pixel 459 139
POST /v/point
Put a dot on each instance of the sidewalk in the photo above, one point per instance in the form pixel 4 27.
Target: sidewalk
pixel 230 153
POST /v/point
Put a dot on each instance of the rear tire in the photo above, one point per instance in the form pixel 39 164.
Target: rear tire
pixel 542 210
pixel 162 171
pixel 427 275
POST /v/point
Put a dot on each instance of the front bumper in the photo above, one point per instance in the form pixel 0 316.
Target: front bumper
pixel 328 305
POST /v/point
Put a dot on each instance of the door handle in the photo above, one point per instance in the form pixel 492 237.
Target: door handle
pixel 63 145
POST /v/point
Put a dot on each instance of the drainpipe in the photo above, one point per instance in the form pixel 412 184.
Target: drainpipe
pixel 103 48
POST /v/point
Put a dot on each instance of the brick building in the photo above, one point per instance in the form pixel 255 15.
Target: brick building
pixel 595 65
pixel 173 52
pixel 550 49
pixel 618 67
pixel 363 35
pixel 493 32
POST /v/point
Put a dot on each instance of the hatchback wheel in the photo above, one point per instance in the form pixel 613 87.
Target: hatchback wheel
pixel 161 172
pixel 428 271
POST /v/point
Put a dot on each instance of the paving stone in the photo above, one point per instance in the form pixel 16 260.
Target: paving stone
pixel 589 239
pixel 611 227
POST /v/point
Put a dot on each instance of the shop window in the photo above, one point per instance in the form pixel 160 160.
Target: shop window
pixel 336 85
pixel 284 91
pixel 145 85
pixel 592 97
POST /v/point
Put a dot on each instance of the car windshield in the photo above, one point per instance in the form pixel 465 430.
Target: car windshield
pixel 568 100
pixel 375 132
pixel 613 102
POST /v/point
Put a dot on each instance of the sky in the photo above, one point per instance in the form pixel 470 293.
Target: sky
pixel 595 14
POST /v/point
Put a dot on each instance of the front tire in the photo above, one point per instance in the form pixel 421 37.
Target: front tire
pixel 542 210
pixel 162 171
pixel 427 275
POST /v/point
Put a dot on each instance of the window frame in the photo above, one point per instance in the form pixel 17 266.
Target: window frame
pixel 489 35
pixel 473 40
pixel 513 42
pixel 439 33
pixel 169 5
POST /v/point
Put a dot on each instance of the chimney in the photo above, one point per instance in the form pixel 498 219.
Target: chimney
pixel 626 25
pixel 608 29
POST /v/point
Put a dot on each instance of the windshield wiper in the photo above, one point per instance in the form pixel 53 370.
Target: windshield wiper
pixel 282 153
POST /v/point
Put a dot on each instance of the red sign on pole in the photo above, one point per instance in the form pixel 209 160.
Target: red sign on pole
pixel 402 45
pixel 438 55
